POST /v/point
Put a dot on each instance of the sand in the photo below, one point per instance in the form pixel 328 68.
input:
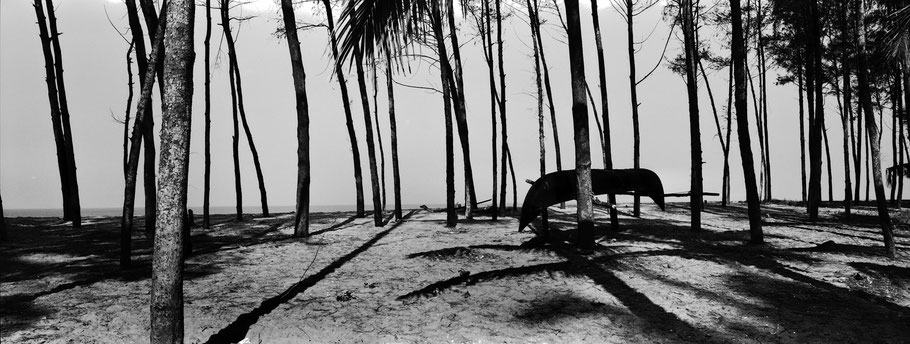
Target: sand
pixel 482 282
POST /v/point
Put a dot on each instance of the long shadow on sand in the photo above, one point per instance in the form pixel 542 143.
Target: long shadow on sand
pixel 237 330
pixel 788 299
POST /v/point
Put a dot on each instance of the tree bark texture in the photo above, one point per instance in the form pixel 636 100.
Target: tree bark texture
pixel 302 209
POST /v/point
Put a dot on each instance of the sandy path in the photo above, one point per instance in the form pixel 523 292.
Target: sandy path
pixel 418 281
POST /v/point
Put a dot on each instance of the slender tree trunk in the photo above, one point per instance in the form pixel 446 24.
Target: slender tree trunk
pixel 846 123
pixel 238 84
pixel 816 119
pixel 828 165
pixel 633 88
pixel 143 109
pixel 445 69
pixel 53 99
pixel 249 135
pixel 235 137
pixel 872 131
pixel 349 117
pixel 868 157
pixel 73 210
pixel 802 131
pixel 302 213
pixel 3 235
pixel 502 104
pixel 488 55
pixel 461 119
pixel 129 106
pixel 761 132
pixel 696 189
pixel 742 124
pixel 605 108
pixel 207 184
pixel 167 260
pixel 720 136
pixel 541 137
pixel 585 212
pixel 763 72
pixel 393 128
pixel 726 186
pixel 379 133
pixel 895 109
pixel 148 170
pixel 535 25
pixel 371 148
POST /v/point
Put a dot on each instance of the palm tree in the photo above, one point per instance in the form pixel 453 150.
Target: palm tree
pixel 167 261
pixel 461 119
pixel 371 148
pixel 302 213
pixel 393 128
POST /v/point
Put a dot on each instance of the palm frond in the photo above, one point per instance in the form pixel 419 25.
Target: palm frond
pixel 896 36
pixel 367 24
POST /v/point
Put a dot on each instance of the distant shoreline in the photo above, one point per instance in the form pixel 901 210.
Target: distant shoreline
pixel 92 212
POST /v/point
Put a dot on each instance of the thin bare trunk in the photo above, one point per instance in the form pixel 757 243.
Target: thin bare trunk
pixel 872 131
pixel 371 148
pixel 461 119
pixel 302 213
pixel 393 128
pixel 349 117
pixel 605 107
pixel 633 91
pixel 828 165
pixel 802 130
pixel 379 134
pixel 207 184
pixel 691 57
pixel 585 212
pixel 487 36
pixel 541 137
pixel 502 104
pixel 129 105
pixel 742 123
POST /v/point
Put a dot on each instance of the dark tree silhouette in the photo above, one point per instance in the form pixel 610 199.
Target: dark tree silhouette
pixel 691 57
pixel 302 213
pixel 738 48
pixel 56 92
pixel 393 128
pixel 207 183
pixel 346 103
pixel 371 148
pixel 585 212
pixel 461 118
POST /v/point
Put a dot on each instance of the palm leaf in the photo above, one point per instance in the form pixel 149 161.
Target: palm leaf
pixel 366 24
pixel 896 36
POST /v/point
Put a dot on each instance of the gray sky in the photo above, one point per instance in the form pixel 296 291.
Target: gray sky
pixel 95 73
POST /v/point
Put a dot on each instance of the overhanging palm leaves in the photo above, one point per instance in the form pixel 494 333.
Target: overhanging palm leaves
pixel 366 24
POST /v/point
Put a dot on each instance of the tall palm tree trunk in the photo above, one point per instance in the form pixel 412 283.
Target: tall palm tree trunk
pixel 349 117
pixel 447 95
pixel 738 48
pixel 302 213
pixel 371 148
pixel 461 119
pixel 393 128
pixel 872 130
pixel 379 133
pixel 167 260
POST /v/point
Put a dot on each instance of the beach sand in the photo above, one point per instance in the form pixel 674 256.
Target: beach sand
pixel 482 282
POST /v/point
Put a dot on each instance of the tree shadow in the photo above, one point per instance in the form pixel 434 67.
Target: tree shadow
pixel 237 330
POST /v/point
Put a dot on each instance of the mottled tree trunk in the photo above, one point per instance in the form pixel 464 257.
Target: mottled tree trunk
pixel 167 260
pixel 502 104
pixel 302 213
pixel 585 212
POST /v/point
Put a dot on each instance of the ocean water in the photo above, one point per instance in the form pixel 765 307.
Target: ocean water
pixel 197 210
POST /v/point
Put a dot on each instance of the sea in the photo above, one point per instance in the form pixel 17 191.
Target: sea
pixel 92 212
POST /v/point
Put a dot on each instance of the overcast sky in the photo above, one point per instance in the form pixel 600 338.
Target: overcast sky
pixel 96 81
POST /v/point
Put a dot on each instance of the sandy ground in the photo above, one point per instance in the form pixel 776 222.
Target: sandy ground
pixel 482 282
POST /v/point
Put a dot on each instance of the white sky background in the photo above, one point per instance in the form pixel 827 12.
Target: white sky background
pixel 95 73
